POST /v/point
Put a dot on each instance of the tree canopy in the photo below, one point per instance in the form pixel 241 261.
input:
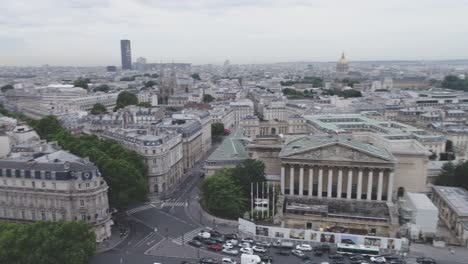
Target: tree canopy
pixel 196 76
pixel 150 83
pixel 102 88
pixel 126 98
pixel 349 93
pixel 217 129
pixel 455 83
pixel 81 82
pixel 295 94
pixel 144 104
pixel 207 98
pixel 98 109
pixel 46 243
pixel 123 170
pixel 6 88
pixel 222 196
pixel 315 81
pixel 454 174
pixel 249 171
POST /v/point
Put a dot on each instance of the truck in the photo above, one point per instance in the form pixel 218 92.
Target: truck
pixel 286 244
pixel 250 259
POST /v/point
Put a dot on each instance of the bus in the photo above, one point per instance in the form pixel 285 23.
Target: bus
pixel 348 249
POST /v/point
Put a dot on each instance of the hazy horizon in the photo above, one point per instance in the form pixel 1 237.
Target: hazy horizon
pixel 88 32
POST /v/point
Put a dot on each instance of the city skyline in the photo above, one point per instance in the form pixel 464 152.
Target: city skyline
pixel 86 32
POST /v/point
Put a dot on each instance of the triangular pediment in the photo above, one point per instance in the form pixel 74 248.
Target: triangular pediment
pixel 336 152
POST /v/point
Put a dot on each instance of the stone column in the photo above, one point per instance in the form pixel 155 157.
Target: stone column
pixel 301 180
pixel 380 186
pixel 340 180
pixel 330 182
pixel 350 183
pixel 359 185
pixel 291 180
pixel 390 186
pixel 311 181
pixel 369 184
pixel 283 184
pixel 320 182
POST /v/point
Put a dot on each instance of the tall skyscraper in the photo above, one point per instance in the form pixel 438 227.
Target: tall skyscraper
pixel 126 53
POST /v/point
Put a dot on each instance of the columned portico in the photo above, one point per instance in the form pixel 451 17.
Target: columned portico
pixel 342 179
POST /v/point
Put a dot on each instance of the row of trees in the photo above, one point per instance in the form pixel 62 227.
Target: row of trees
pixel 349 93
pixel 6 88
pixel 227 193
pixel 123 170
pixel 315 81
pixel 455 83
pixel 46 243
pixel 294 94
pixel 454 174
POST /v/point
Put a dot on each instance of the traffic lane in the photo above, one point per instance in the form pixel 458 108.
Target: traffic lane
pixel 166 223
pixel 138 234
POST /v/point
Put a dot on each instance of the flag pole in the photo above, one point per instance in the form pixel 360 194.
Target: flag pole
pixel 251 201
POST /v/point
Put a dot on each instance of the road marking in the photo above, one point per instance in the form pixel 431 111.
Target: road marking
pixel 142 241
pixel 139 209
pixel 188 236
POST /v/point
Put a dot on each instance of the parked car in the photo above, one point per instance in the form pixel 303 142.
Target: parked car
pixel 378 259
pixel 195 243
pixel 247 250
pixel 230 251
pixel 234 242
pixel 188 262
pixel 266 258
pixel 336 257
pixel 215 247
pixel 210 242
pixel 304 247
pixel 323 248
pixel 425 260
pixel 308 262
pixel 218 239
pixel 283 252
pixel 208 261
pixel 318 253
pixel 228 245
pixel 244 245
pixel 228 261
pixel 215 233
pixel 204 234
pixel 248 240
pixel 259 249
pixel 298 253
pixel 198 238
pixel 263 243
pixel 230 236
pixel 357 257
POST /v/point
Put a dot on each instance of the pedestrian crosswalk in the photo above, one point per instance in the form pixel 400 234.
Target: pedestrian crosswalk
pixel 171 204
pixel 188 236
pixel 139 209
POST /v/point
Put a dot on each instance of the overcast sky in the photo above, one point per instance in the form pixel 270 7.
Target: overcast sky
pixel 88 32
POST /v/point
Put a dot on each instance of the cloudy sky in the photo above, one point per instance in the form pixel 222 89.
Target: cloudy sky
pixel 87 32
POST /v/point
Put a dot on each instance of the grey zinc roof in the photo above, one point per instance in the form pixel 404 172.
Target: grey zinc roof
pixel 455 197
pixel 232 148
pixel 314 142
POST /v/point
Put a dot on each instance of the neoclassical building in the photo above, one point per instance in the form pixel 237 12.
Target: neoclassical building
pixel 336 167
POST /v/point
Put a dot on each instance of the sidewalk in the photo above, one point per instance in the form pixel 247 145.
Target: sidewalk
pixel 113 241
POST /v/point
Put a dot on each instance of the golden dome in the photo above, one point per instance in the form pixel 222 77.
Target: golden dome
pixel 343 59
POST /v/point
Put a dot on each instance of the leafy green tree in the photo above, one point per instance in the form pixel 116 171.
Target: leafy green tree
pixel 83 83
pixel 196 76
pixel 207 98
pixel 221 196
pixel 46 243
pixel 102 88
pixel 150 83
pixel 455 83
pixel 350 93
pixel 126 98
pixel 217 129
pixel 249 171
pixel 447 175
pixel 7 87
pixel 155 75
pixel 98 109
pixel 47 127
pixel 144 104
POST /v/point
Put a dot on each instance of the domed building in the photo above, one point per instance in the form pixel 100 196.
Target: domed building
pixel 342 65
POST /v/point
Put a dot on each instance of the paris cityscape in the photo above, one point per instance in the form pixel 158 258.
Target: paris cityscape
pixel 234 132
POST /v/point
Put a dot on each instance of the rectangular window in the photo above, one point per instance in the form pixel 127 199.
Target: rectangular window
pixel 54 216
pixel 87 185
pixel 81 202
pixel 83 217
pixel 43 184
pixel 79 185
pixel 33 215
pixel 33 184
pixel 23 214
pixel 43 215
pixel 5 182
pixel 23 183
pixel 54 185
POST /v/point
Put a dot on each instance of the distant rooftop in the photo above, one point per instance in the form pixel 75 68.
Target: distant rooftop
pixel 455 197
